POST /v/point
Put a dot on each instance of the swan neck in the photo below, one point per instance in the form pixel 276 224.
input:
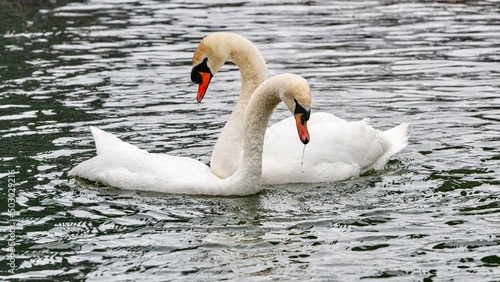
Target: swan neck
pixel 247 178
pixel 226 156
pixel 257 116
pixel 252 66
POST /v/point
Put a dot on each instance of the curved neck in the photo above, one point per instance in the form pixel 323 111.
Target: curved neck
pixel 257 116
pixel 253 69
pixel 262 104
pixel 226 156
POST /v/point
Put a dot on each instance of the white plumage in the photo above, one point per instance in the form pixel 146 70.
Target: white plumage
pixel 338 149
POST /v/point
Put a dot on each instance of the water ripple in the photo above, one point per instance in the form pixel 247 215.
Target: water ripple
pixel 124 66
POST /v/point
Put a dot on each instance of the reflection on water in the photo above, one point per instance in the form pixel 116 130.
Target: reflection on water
pixel 124 66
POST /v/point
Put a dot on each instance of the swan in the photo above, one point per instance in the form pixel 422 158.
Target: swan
pixel 122 165
pixel 339 150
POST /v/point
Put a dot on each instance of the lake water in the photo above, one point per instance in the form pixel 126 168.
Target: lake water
pixel 124 66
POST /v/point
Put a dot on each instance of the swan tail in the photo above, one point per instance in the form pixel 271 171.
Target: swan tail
pixel 398 137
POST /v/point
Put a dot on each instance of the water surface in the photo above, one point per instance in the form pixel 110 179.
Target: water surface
pixel 124 66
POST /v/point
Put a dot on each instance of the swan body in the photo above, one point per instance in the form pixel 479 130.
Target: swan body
pixel 125 166
pixel 338 150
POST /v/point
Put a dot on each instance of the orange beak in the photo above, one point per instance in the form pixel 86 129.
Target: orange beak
pixel 302 128
pixel 203 86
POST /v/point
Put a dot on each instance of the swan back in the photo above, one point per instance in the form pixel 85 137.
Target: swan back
pixel 125 166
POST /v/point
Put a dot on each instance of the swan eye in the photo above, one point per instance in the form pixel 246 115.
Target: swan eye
pixel 306 114
pixel 195 72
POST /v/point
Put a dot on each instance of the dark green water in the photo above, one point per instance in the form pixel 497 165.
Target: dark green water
pixel 432 215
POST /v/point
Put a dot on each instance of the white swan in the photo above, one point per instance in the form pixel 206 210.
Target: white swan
pixel 339 149
pixel 125 166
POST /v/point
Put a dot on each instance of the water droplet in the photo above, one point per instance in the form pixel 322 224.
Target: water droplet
pixel 302 160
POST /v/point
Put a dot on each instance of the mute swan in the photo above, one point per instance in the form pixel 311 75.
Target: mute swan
pixel 339 149
pixel 125 166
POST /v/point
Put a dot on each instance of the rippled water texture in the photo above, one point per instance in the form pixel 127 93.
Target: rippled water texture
pixel 124 66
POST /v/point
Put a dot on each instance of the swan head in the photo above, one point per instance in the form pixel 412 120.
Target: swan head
pixel 209 57
pixel 302 115
pixel 296 95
